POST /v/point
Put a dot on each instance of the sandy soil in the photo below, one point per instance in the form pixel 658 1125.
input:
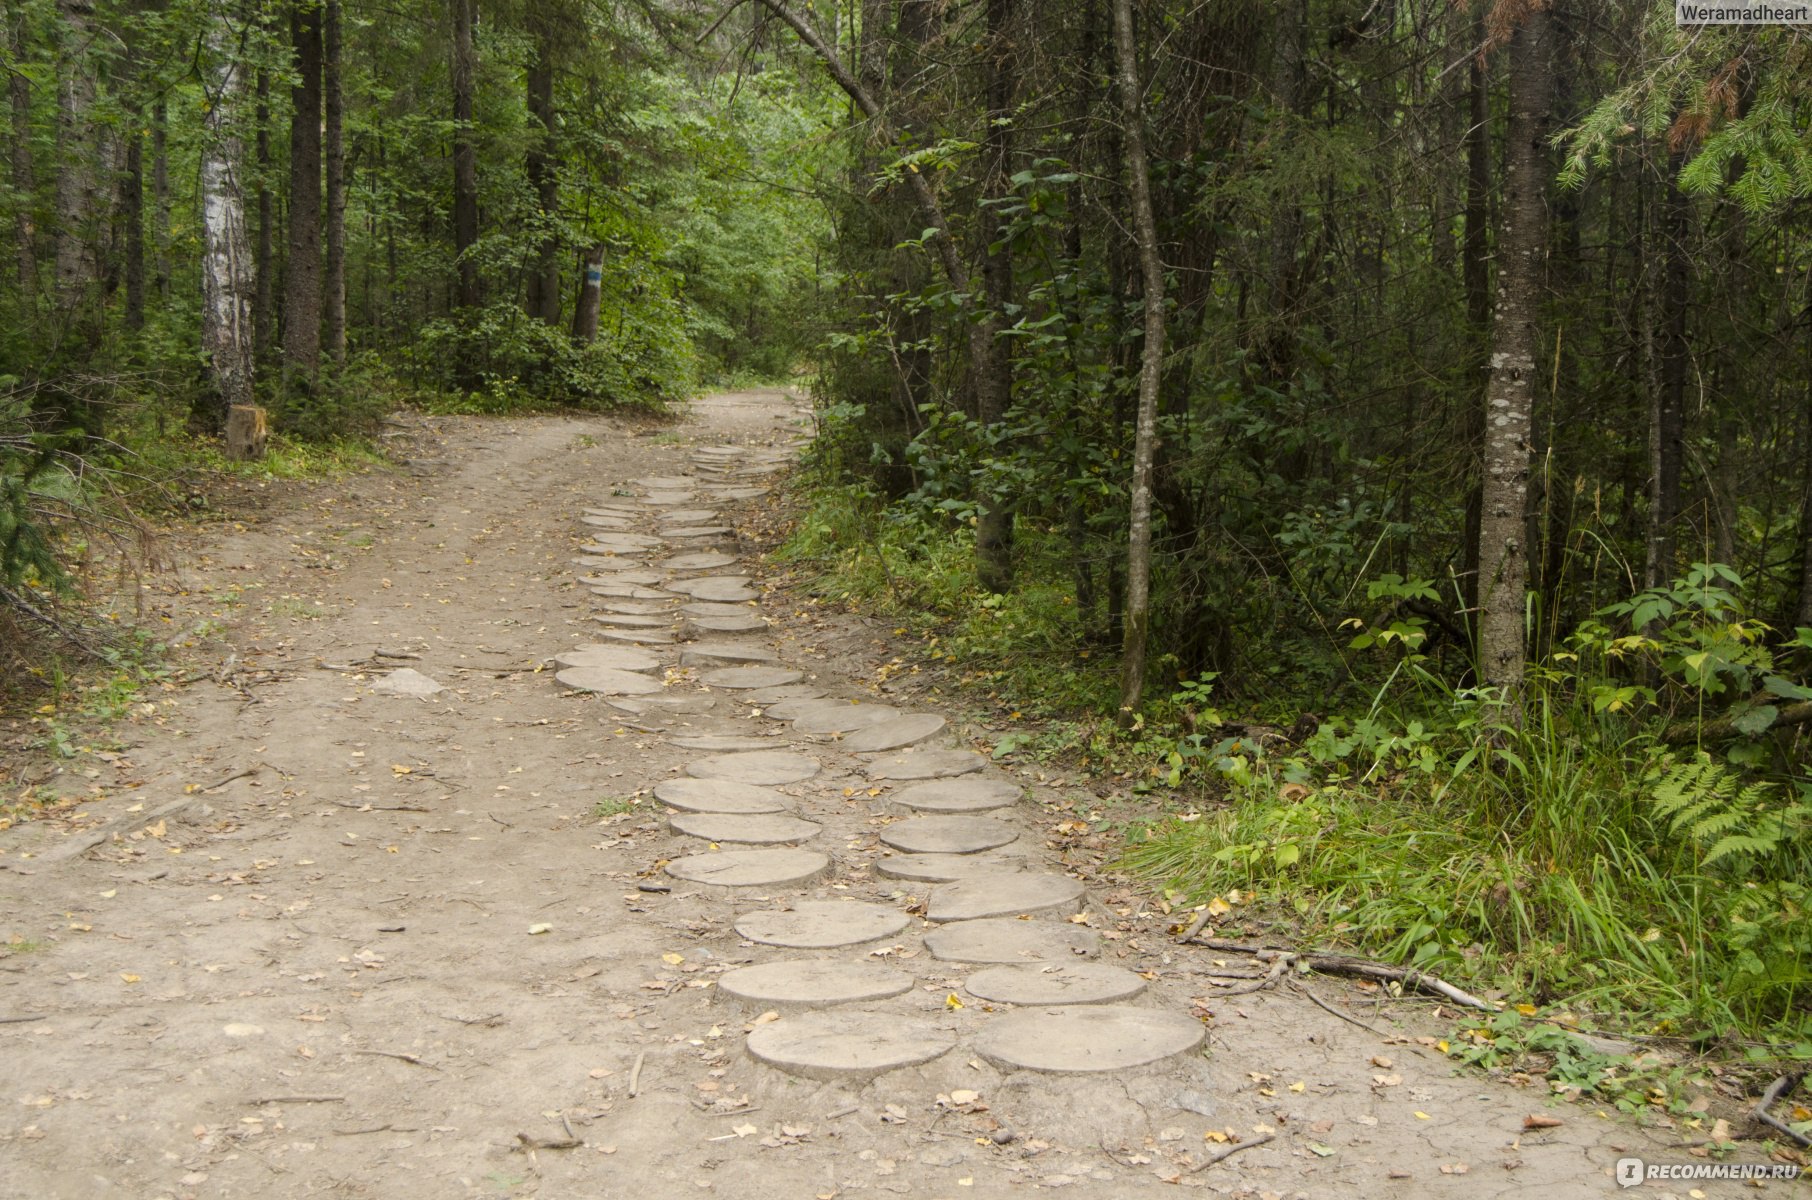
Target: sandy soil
pixel 285 948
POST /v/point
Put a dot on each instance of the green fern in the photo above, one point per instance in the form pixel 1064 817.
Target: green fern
pixel 1708 804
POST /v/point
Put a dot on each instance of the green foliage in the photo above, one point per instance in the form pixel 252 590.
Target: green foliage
pixel 1717 811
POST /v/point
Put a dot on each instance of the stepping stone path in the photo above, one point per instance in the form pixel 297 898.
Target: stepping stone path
pixel 992 918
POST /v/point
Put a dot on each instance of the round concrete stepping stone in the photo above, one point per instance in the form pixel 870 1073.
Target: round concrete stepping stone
pixel 608 680
pixel 665 483
pixel 751 868
pixel 1055 983
pixel 618 658
pixel 812 983
pixel 786 691
pixel 632 591
pixel 711 608
pixel 947 835
pixel 644 637
pixel 957 796
pixel 822 924
pixel 723 589
pixel 725 741
pixel 1087 1037
pixel 621 541
pixel 759 767
pixel 943 868
pixel 684 704
pixel 843 718
pixel 1005 940
pixel 634 608
pixel 791 708
pixel 609 510
pixel 668 499
pixel 750 677
pixel 632 575
pixel 600 522
pixel 710 625
pixel 892 734
pixel 703 560
pixel 690 516
pixel 761 829
pixel 691 532
pixel 926 764
pixel 718 796
pixel 725 654
pixel 1005 895
pixel 847 1045
pixel 739 493
pixel 627 621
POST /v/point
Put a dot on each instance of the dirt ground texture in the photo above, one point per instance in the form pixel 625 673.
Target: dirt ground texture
pixel 311 939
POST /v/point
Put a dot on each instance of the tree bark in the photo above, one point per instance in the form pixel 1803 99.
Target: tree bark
pixel 1510 381
pixel 226 276
pixel 302 270
pixel 1476 277
pixel 543 175
pixel 264 300
pixel 333 136
pixel 160 201
pixel 993 374
pixel 132 202
pixel 591 297
pixel 24 178
pixel 465 149
pixel 1803 612
pixel 1667 384
pixel 75 156
pixel 1151 366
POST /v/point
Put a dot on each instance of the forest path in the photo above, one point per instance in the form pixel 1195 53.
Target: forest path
pixel 406 957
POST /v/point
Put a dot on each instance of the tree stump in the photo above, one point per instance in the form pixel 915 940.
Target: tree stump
pixel 246 432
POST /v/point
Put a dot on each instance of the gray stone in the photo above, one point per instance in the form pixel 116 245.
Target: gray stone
pixel 738 493
pixel 956 796
pixel 1086 1037
pixel 723 589
pixel 629 621
pixel 822 924
pixel 842 718
pixel 596 521
pixel 407 681
pixel 725 741
pixel 1004 940
pixel 619 542
pixel 632 591
pixel 892 734
pixel 718 796
pixel 668 499
pixel 1054 984
pixel 634 608
pixel 709 608
pixel 725 654
pixel 925 764
pixel 685 704
pixel 710 626
pixel 942 868
pixel 643 637
pixel 637 575
pixel 947 835
pixel 845 1044
pixel 609 680
pixel 617 658
pixel 665 483
pixel 812 983
pixel 738 678
pixel 702 560
pixel 753 829
pixel 791 708
pixel 759 767
pixel 786 691
pixel 683 533
pixel 1005 895
pixel 751 868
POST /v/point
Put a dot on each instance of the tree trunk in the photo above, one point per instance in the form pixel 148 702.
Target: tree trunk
pixel 302 270
pixel 226 277
pixel 132 197
pixel 24 179
pixel 160 201
pixel 993 374
pixel 1667 385
pixel 543 175
pixel 1510 382
pixel 591 296
pixel 264 301
pixel 75 156
pixel 1803 614
pixel 1476 276
pixel 465 149
pixel 1151 367
pixel 333 280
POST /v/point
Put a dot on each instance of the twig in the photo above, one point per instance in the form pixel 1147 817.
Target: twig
pixel 408 1058
pixel 1259 983
pixel 403 654
pixel 382 807
pixel 1781 1087
pixel 1336 964
pixel 500 820
pixel 264 1100
pixel 1195 926
pixel 635 1074
pixel 495 1018
pixel 1329 1008
pixel 1226 1152
pixel 373 1129
pixel 20 1020
pixel 535 1143
pixel 235 775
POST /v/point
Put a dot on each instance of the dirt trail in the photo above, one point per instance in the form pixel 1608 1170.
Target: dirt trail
pixel 404 957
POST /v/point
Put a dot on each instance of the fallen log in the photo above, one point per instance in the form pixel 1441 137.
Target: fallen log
pixel 1283 961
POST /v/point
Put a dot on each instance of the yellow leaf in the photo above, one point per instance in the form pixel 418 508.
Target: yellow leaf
pixel 1214 1135
pixel 391 850
pixel 157 831
pixel 1422 1116
pixel 400 769
pixel 1218 907
pixel 672 959
pixel 1441 1045
pixel 129 977
pixel 951 1001
pixel 1528 1010
pixel 1298 1087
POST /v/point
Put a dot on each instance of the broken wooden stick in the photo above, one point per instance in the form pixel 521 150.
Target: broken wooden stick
pixel 1781 1087
pixel 1226 1152
pixel 1340 964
